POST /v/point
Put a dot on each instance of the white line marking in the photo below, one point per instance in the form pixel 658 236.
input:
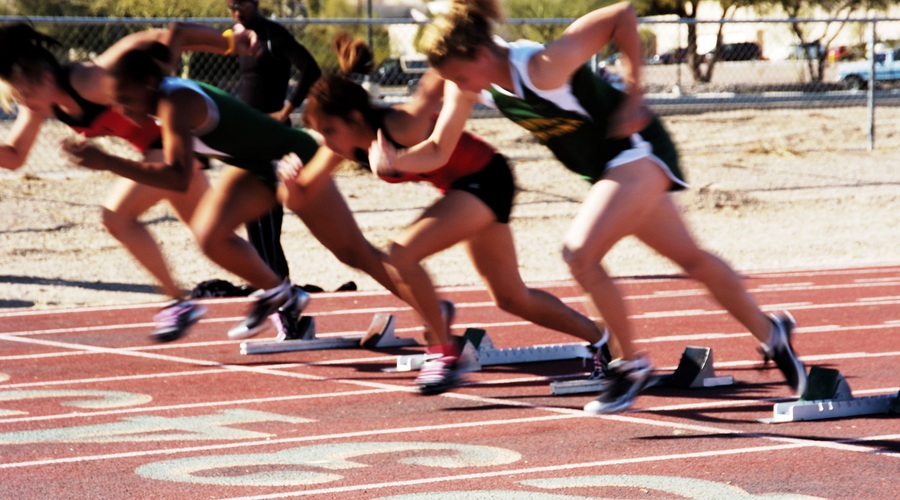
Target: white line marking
pixel 555 468
pixel 232 402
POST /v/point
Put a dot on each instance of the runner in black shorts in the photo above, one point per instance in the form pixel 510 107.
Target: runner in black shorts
pixel 478 190
pixel 494 185
pixel 610 138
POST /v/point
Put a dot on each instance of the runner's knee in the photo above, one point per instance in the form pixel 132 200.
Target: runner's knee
pixel 116 223
pixel 402 259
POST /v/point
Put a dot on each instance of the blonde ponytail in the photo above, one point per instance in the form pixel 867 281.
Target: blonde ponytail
pixel 460 32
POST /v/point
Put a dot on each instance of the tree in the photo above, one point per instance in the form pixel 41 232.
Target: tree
pixel 687 9
pixel 821 35
pixel 542 9
pixel 794 9
pixel 161 8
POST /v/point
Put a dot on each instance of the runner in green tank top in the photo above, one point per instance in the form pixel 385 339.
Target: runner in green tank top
pixel 196 118
pixel 610 138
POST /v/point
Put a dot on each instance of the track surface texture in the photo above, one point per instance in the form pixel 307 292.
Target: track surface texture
pixel 90 408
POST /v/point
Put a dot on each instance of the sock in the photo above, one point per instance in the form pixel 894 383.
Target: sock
pixel 449 349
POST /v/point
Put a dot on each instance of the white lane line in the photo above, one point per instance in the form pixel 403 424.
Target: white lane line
pixel 462 305
pixel 200 362
pixel 390 358
pixel 745 274
pixel 187 406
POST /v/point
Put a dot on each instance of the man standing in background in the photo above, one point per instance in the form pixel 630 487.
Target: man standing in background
pixel 265 76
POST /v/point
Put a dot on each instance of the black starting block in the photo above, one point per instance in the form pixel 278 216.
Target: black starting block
pixel 694 370
pixel 828 395
pixel 379 335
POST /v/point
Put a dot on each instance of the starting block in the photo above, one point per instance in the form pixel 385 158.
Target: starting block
pixel 694 370
pixel 379 335
pixel 478 350
pixel 827 396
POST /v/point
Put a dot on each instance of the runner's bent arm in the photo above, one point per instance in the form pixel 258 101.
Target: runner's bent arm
pixel 300 182
pixel 435 151
pixel 551 67
pixel 175 171
pixel 285 43
pixel 14 152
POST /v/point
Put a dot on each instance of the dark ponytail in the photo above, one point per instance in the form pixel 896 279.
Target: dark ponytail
pixel 24 54
pixel 25 49
pixel 338 94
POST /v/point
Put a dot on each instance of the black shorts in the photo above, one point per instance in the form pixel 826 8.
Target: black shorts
pixel 494 185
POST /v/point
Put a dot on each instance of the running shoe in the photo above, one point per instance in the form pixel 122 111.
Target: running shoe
pixel 439 375
pixel 287 320
pixel 286 326
pixel 602 358
pixel 780 350
pixel 268 302
pixel 627 380
pixel 173 320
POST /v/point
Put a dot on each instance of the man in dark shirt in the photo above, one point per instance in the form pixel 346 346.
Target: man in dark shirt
pixel 264 85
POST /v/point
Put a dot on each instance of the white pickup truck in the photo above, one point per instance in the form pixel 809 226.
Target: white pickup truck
pixel 855 75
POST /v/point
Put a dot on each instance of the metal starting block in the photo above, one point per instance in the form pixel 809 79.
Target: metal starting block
pixel 379 335
pixel 827 396
pixel 478 350
pixel 694 370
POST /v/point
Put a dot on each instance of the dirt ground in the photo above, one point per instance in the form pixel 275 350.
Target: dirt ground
pixel 778 189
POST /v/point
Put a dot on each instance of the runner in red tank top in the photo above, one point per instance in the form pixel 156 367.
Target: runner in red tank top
pixel 478 192
pixel 80 95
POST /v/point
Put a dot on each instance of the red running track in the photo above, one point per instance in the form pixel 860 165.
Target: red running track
pixel 89 408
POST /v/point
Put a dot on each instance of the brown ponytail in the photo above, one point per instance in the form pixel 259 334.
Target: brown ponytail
pixel 354 56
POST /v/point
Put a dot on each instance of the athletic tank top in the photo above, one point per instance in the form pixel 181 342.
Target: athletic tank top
pixel 471 155
pixel 572 120
pixel 240 135
pixel 98 120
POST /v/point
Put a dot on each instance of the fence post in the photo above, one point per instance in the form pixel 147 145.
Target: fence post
pixel 870 97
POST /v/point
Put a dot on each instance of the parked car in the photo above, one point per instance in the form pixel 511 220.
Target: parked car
pixel 405 70
pixel 855 75
pixel 797 51
pixel 671 56
pixel 743 51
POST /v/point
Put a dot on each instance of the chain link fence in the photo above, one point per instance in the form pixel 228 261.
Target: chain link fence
pixel 759 65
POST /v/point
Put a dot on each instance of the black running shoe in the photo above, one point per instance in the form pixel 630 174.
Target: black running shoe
pixel 602 358
pixel 268 302
pixel 780 350
pixel 628 379
pixel 173 320
pixel 287 319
